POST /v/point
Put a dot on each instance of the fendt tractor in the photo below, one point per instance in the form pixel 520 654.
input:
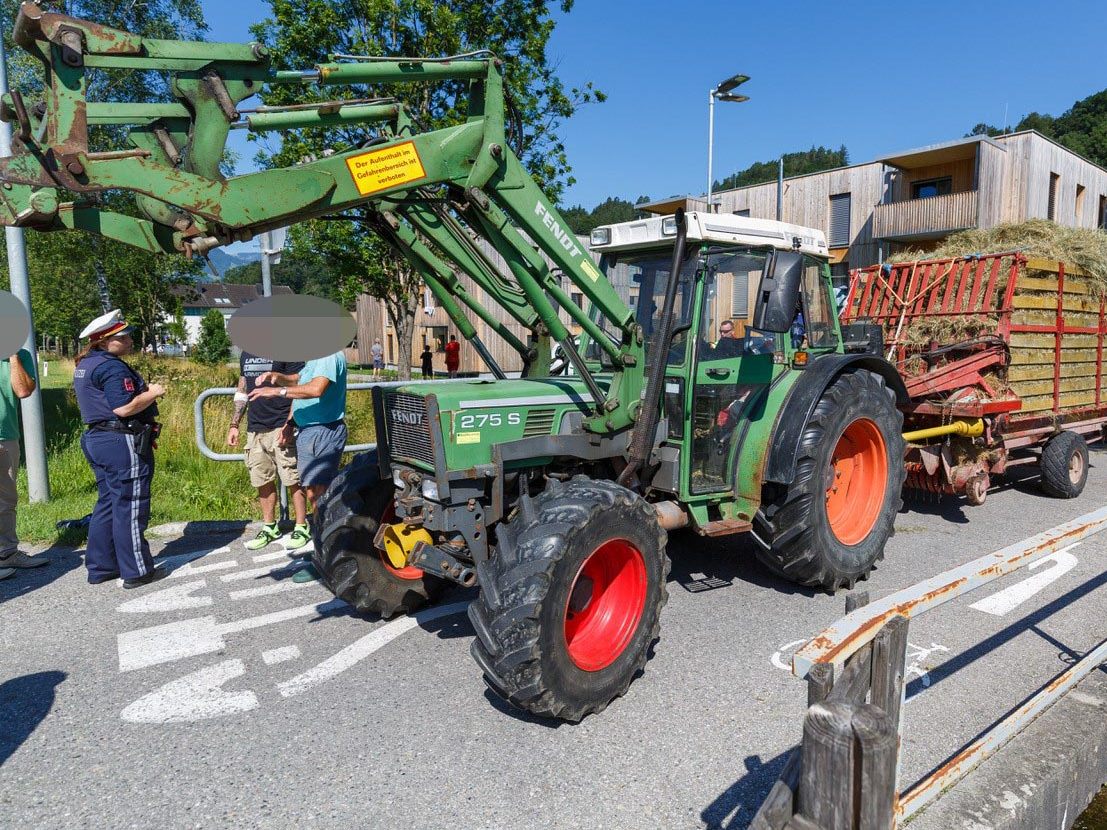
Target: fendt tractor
pixel 553 492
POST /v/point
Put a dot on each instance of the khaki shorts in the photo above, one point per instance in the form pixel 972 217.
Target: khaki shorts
pixel 266 459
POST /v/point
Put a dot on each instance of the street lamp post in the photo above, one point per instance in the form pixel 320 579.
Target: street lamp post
pixel 721 92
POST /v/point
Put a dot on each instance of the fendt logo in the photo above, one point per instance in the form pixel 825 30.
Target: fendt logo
pixel 413 419
pixel 563 235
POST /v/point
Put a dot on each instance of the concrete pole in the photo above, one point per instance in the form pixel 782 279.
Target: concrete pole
pixel 780 190
pixel 710 143
pixel 266 273
pixel 34 433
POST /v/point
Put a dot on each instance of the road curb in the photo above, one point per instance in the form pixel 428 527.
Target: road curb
pixel 1045 777
pixel 178 529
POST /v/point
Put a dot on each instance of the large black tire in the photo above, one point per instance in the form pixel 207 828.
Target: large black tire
pixel 793 532
pixel 520 617
pixel 345 524
pixel 1064 465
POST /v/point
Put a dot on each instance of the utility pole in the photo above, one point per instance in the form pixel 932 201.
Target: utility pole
pixel 34 434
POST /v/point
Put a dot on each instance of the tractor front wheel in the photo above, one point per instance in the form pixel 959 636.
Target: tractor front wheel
pixel 570 603
pixel 353 568
pixel 829 526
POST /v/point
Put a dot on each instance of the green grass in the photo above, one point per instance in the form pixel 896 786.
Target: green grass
pixel 186 486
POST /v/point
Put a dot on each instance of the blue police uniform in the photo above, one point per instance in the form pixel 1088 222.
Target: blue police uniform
pixel 123 467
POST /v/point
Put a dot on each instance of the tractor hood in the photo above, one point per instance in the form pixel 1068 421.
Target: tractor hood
pixel 475 416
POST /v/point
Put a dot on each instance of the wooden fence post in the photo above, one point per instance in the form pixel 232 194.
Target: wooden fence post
pixel 876 736
pixel 827 779
pixel 820 680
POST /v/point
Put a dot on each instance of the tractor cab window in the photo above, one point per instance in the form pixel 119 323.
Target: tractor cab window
pixel 725 314
pixel 814 325
pixel 647 276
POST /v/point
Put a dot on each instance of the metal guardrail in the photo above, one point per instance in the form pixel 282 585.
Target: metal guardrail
pixel 863 655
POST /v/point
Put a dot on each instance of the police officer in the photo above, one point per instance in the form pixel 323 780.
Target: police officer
pixel 119 408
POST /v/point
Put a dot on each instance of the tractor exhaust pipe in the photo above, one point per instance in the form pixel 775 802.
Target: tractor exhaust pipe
pixel 641 441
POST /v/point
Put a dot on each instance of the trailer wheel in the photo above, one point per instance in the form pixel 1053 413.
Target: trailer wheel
pixel 1064 465
pixel 829 526
pixel 345 524
pixel 570 603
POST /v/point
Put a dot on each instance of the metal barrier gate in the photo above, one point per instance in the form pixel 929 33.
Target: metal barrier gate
pixel 845 774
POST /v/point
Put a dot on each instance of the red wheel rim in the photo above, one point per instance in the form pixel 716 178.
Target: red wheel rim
pixel 605 604
pixel 407 572
pixel 858 479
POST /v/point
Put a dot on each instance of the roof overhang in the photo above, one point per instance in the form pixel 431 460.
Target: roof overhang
pixel 950 151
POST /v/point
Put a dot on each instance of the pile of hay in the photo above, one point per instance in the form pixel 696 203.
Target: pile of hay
pixel 1084 247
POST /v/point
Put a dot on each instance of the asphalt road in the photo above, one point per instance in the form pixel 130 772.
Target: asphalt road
pixel 229 696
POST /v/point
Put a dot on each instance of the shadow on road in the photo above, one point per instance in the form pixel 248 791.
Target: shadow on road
pixel 24 703
pixel 700 564
pixel 25 580
pixel 735 807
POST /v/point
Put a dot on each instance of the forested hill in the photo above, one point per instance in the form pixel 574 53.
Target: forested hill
pixel 1082 127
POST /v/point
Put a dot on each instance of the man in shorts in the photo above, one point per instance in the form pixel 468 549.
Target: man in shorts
pixel 270 450
pixel 377 352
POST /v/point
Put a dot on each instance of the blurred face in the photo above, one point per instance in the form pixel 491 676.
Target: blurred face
pixel 118 345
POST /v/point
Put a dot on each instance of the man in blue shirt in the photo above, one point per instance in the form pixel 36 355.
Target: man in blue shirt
pixel 318 394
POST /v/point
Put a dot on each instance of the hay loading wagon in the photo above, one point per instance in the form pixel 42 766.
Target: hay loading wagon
pixel 1002 355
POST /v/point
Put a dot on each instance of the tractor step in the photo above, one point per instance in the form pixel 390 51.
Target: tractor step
pixel 724 527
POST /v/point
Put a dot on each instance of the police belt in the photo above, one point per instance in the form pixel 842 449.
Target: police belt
pixel 128 427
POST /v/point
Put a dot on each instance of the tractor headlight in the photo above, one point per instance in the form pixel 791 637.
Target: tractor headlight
pixel 600 236
pixel 430 489
pixel 668 226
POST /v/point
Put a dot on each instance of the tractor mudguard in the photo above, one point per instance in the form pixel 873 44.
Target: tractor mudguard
pixel 805 394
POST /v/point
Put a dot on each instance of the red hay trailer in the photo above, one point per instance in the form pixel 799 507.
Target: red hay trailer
pixel 1003 360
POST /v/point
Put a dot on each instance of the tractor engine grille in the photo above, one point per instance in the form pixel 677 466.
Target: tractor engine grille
pixel 408 427
pixel 539 422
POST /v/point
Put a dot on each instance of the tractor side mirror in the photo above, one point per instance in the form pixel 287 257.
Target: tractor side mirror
pixel 778 297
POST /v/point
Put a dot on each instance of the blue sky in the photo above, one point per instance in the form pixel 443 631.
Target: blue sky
pixel 877 77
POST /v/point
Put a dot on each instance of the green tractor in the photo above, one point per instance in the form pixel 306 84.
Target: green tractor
pixel 554 492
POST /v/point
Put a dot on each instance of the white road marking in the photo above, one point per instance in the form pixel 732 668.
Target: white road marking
pixel 280 655
pixel 192 570
pixel 778 656
pixel 180 558
pixel 358 650
pixel 177 598
pixel 279 588
pixel 1012 597
pixel 255 572
pixel 145 647
pixel 917 656
pixel 196 696
pixel 271 557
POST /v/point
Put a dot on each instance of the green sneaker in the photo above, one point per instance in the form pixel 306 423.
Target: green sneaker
pixel 300 537
pixel 267 535
pixel 308 574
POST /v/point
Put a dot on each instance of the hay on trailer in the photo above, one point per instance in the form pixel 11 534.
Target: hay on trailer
pixel 922 331
pixel 1085 248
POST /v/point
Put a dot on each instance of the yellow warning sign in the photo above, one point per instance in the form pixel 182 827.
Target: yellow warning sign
pixel 468 438
pixel 381 169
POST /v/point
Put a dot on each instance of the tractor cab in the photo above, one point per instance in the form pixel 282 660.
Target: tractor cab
pixel 753 302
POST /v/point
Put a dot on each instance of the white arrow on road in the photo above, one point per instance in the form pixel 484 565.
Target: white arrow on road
pixel 176 598
pixel 196 696
pixel 1010 598
pixel 200 635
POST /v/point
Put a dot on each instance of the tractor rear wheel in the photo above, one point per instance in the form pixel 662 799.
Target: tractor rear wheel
pixel 1064 465
pixel 346 521
pixel 570 603
pixel 829 526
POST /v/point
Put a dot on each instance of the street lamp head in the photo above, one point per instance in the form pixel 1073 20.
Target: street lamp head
pixel 737 99
pixel 730 83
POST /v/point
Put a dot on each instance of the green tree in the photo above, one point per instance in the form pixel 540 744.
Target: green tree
pixel 304 32
pixel 304 271
pixel 795 164
pixel 608 212
pixel 214 346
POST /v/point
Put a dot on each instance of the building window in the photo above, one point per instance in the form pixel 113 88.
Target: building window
pixel 1079 204
pixel 740 295
pixel 577 298
pixel 1051 205
pixel 932 187
pixel 745 213
pixel 439 335
pixel 391 348
pixel 1102 212
pixel 839 234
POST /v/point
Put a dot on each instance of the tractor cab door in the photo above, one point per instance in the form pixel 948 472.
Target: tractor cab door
pixel 731 364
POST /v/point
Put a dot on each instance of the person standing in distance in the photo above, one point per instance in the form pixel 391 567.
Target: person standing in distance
pixel 377 352
pixel 318 394
pixel 426 359
pixel 119 409
pixel 453 356
pixel 270 450
pixel 17 381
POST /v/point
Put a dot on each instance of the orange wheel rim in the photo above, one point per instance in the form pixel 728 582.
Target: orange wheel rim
pixel 858 477
pixel 408 572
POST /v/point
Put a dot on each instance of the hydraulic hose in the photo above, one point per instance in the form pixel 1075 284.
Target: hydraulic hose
pixel 641 441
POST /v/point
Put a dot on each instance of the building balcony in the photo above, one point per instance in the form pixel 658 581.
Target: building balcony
pixel 930 218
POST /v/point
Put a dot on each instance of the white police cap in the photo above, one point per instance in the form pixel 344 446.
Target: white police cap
pixel 105 326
